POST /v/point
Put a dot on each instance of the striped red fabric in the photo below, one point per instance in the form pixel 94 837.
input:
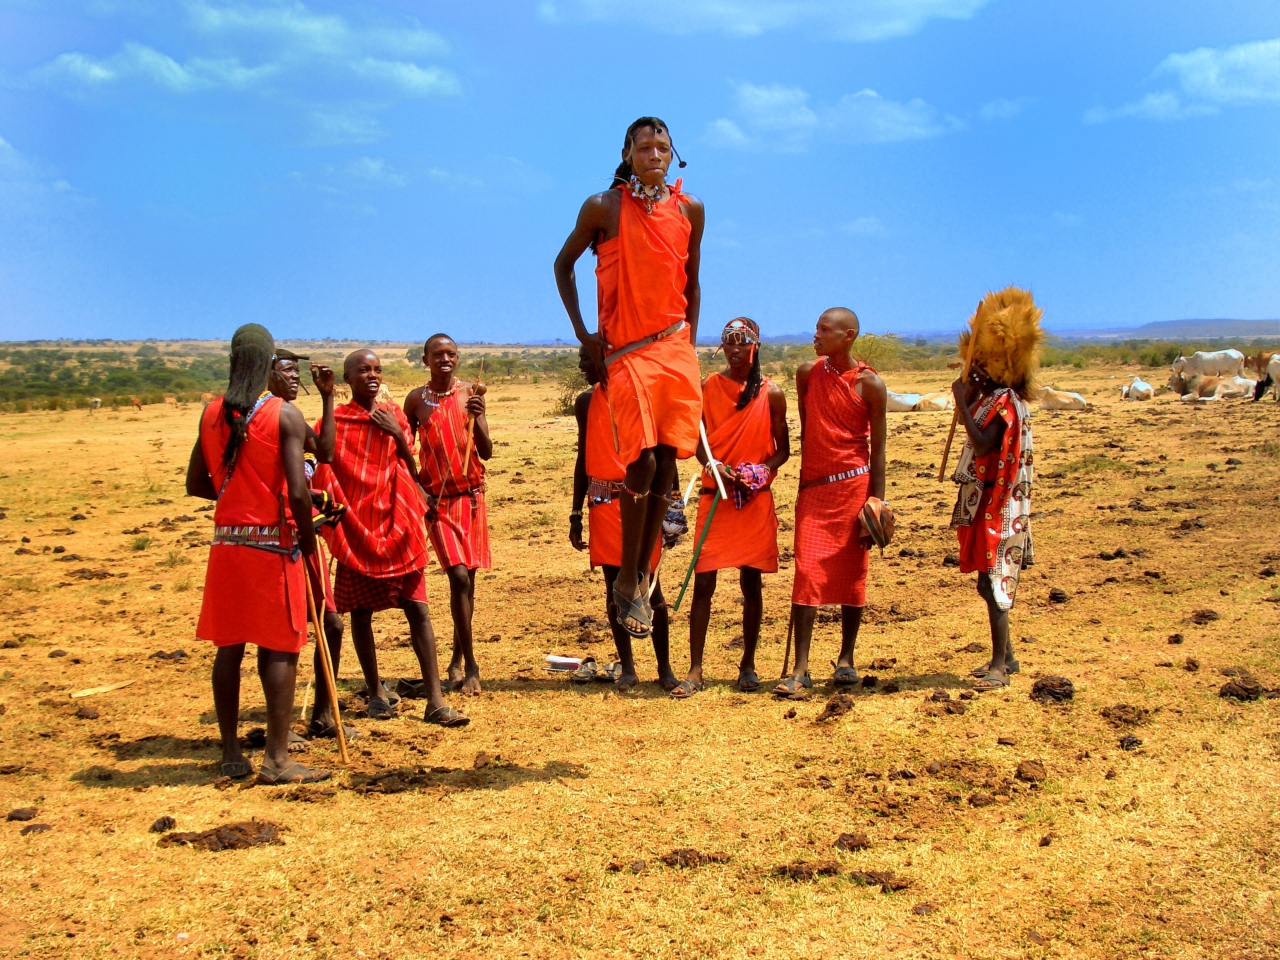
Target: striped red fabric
pixel 460 534
pixel 443 441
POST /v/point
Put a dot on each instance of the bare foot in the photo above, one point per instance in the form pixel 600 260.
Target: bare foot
pixel 470 684
pixel 626 682
pixel 667 679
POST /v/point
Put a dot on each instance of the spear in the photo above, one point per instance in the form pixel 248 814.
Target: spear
pixel 327 669
pixel 955 413
pixel 720 494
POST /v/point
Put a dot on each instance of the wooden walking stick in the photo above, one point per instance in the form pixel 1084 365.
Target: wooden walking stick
pixel 955 413
pixel 711 514
pixel 786 655
pixel 478 389
pixel 327 665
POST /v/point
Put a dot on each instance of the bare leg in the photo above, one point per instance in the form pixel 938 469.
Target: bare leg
pixel 704 588
pixel 634 510
pixel 424 647
pixel 621 639
pixel 279 675
pixel 662 639
pixel 802 618
pixel 850 621
pixel 999 621
pixel 752 585
pixel 322 709
pixel 656 505
pixel 464 671
pixel 226 700
pixel 367 652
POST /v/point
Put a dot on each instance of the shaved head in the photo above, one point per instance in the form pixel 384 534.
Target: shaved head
pixel 354 358
pixel 842 318
pixel 435 338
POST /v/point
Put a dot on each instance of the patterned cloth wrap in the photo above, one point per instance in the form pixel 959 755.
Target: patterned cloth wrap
pixel 756 477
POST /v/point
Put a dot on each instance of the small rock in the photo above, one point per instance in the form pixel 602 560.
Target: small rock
pixel 53 654
pixel 852 841
pixel 87 713
pixel 1110 774
pixel 934 767
pixel 1031 771
pixel 164 825
pixel 12 644
pixel 951 560
pixel 1037 938
pixel 59 549
pixel 1046 840
pixel 22 814
pixel 1005 741
pixel 638 866
pixel 790 714
pixel 1057 595
pixel 1266 572
pixel 1130 742
pixel 78 516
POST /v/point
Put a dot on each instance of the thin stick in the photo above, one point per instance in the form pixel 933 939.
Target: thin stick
pixel 327 665
pixel 471 427
pixel 306 698
pixel 711 514
pixel 955 412
pixel 786 655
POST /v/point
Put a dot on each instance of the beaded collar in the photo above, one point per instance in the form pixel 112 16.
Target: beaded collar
pixel 649 196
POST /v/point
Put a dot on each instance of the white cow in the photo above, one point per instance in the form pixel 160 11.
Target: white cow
pixel 935 403
pixel 1217 363
pixel 1271 381
pixel 901 402
pixel 1138 390
pixel 1195 387
pixel 94 404
pixel 384 394
pixel 1051 399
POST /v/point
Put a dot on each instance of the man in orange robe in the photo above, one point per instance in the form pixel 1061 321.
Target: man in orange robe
pixel 380 542
pixel 842 460
pixel 248 458
pixel 746 418
pixel 647 237
pixel 598 474
pixel 440 413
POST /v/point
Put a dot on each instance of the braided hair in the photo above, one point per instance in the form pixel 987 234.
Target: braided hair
pixel 754 381
pixel 252 356
pixel 744 330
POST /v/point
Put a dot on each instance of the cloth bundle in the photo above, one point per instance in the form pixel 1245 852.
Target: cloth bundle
pixel 755 476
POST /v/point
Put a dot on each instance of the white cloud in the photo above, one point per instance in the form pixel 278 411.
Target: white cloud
pixel 375 171
pixel 1248 73
pixel 863 227
pixel 855 20
pixel 135 61
pixel 777 117
pixel 1003 109
pixel 409 77
pixel 27 188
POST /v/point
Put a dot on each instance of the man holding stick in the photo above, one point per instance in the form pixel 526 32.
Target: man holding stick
pixel 647 237
pixel 746 420
pixel 598 476
pixel 842 463
pixel 248 458
pixel 447 414
pixel 380 542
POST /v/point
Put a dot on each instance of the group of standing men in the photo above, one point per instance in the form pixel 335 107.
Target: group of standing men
pixel 277 480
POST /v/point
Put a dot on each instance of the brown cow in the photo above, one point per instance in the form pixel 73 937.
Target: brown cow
pixel 136 403
pixel 172 402
pixel 207 398
pixel 1258 362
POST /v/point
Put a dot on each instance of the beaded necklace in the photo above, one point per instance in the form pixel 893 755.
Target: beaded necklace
pixel 649 196
pixel 439 396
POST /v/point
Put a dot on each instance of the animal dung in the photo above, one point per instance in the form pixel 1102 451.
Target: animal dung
pixel 1052 690
pixel 808 870
pixel 688 857
pixel 1057 595
pixel 1241 688
pixel 852 841
pixel 22 814
pixel 163 825
pixel 1031 771
pixel 837 706
pixel 1129 742
pixel 1123 714
pixel 1202 617
pixel 229 836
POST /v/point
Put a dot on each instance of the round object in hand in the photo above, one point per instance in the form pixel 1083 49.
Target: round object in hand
pixel 877 521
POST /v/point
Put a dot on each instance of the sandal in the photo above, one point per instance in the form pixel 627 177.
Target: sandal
pixel 791 686
pixel 609 674
pixel 380 709
pixel 330 731
pixel 992 681
pixel 684 690
pixel 1011 666
pixel 636 609
pixel 845 677
pixel 297 744
pixel 586 671
pixel 237 769
pixel 446 716
pixel 293 773
pixel 748 681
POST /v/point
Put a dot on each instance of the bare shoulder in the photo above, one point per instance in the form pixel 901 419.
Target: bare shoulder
pixel 691 203
pixel 292 418
pixel 775 392
pixel 582 403
pixel 805 369
pixel 603 204
pixel 870 383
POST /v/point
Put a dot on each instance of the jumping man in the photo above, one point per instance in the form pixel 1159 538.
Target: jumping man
pixel 380 542
pixel 647 237
pixel 842 459
pixel 248 459
pixel 746 418
pixel 458 522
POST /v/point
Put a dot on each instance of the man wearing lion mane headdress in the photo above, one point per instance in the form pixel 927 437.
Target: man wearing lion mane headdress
pixel 992 516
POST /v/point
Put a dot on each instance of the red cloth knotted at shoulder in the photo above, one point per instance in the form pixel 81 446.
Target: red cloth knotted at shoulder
pixel 837 423
pixel 382 534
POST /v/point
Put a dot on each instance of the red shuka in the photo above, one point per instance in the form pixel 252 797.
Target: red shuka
pixel 460 534
pixel 602 463
pixel 382 533
pixel 640 282
pixel 746 537
pixel 251 595
pixel 831 560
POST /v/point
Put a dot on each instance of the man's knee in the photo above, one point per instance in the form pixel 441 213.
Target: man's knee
pixel 751 581
pixel 704 585
pixel 459 578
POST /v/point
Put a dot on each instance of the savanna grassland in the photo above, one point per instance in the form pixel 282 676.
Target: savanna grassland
pixel 548 828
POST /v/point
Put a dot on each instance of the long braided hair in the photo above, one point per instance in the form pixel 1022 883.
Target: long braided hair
pixel 744 330
pixel 252 353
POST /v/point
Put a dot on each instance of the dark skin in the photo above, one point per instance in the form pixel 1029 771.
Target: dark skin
pixel 968 391
pixel 661 618
pixel 284 382
pixel 363 373
pixel 739 358
pixel 277 671
pixel 441 360
pixel 833 339
pixel 650 477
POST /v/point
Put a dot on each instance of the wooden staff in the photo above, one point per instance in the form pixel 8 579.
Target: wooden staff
pixel 327 665
pixel 955 413
pixel 711 514
pixel 478 389
pixel 786 655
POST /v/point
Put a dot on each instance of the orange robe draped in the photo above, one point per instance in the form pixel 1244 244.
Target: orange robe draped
pixel 655 390
pixel 604 465
pixel 746 537
pixel 251 595
pixel 831 560
pixel 460 533
pixel 382 534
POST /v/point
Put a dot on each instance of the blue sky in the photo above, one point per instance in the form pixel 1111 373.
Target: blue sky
pixel 384 170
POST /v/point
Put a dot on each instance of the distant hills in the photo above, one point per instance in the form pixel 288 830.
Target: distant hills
pixel 1188 329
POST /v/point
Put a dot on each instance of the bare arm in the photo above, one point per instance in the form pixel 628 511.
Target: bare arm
pixel 778 423
pixel 580 407
pixel 802 388
pixel 696 213
pixel 984 439
pixel 596 217
pixel 484 443
pixel 872 389
pixel 293 427
pixel 326 439
pixel 199 483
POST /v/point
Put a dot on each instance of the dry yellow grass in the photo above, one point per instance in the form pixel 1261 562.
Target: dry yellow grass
pixel 1167 850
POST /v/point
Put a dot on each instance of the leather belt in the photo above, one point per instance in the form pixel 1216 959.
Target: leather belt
pixel 836 477
pixel 644 342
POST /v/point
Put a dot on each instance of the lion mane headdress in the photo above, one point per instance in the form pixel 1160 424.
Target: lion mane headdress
pixel 1006 335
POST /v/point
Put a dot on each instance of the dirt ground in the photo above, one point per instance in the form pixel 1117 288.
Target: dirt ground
pixel 541 829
